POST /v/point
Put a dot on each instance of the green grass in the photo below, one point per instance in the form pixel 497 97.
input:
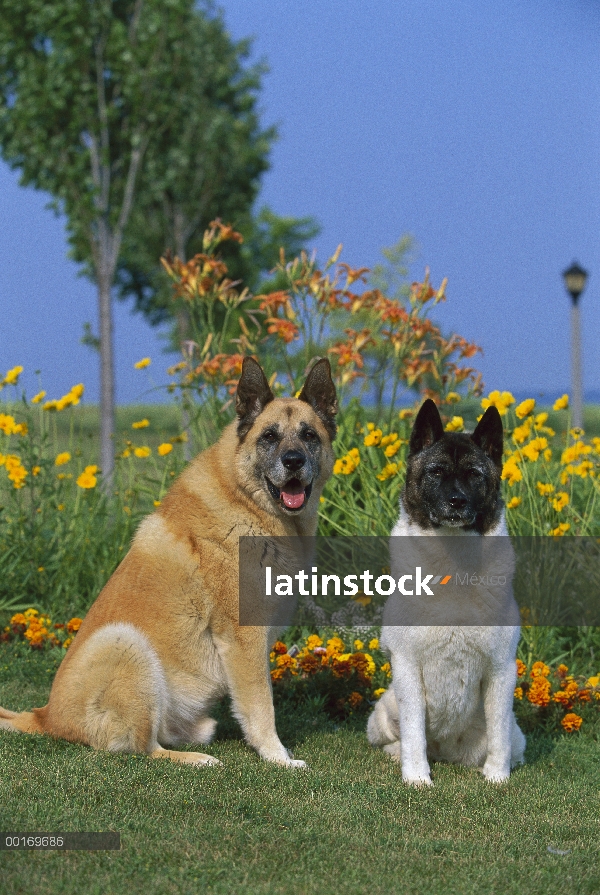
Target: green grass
pixel 347 824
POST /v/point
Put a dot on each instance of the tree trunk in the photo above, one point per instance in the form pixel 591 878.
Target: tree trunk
pixel 107 383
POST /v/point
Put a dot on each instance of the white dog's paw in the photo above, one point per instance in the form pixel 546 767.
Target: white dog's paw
pixel 393 750
pixel 495 773
pixel 417 779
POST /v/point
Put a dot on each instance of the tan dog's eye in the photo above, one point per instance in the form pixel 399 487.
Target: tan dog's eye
pixel 310 435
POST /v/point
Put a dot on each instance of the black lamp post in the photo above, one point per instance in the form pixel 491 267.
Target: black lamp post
pixel 575 278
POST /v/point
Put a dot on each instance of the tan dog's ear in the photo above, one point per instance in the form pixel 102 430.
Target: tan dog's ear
pixel 252 396
pixel 319 392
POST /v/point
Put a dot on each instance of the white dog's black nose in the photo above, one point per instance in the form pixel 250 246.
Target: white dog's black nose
pixel 293 460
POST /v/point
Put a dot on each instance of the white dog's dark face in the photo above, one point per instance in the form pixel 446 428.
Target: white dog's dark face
pixel 454 479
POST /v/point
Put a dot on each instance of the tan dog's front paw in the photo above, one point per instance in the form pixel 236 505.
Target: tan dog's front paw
pixel 193 758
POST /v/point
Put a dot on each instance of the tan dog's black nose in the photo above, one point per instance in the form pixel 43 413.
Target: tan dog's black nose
pixel 293 460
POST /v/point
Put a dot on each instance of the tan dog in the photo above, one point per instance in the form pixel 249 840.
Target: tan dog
pixel 162 641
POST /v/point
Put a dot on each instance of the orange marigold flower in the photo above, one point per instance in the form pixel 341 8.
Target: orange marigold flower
pixel 539 669
pixel 518 693
pixel 309 664
pixel 280 648
pixel 571 722
pixel 355 699
pixel 539 692
pixel 74 625
pixel 521 668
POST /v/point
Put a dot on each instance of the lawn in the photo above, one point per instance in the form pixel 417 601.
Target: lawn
pixel 346 824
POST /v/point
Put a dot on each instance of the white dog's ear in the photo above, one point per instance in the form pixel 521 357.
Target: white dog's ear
pixel 427 429
pixel 489 435
pixel 252 396
pixel 319 392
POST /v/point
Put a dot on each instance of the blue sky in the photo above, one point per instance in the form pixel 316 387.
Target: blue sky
pixel 474 126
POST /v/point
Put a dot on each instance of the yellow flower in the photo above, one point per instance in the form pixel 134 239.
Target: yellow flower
pixel 358 645
pixel 35 470
pixel 389 470
pixel 452 398
pixel 88 479
pixel 545 489
pixel 518 693
pixel 63 458
pixel 561 403
pixel 12 376
pixel 16 471
pixel 406 413
pixel 574 452
pixel 535 447
pixel 387 668
pixel 560 530
pixel 60 507
pixel 513 503
pixel 164 449
pixel 346 465
pixel 392 449
pixel 525 408
pixel 141 424
pixel 389 439
pixel 312 641
pixel 560 501
pixel 335 646
pixel 511 470
pixel 592 681
pixel 37 398
pixel 157 503
pixel 142 451
pixel 374 644
pixel 144 362
pixel 501 401
pixel 522 433
pixel 378 692
pixel 7 424
pixel 456 424
pixel 373 438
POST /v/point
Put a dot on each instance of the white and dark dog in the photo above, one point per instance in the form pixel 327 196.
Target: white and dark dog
pixel 452 652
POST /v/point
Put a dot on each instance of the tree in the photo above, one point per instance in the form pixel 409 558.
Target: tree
pixel 206 164
pixel 91 95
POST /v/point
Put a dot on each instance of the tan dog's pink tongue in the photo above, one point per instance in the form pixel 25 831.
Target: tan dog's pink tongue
pixel 293 501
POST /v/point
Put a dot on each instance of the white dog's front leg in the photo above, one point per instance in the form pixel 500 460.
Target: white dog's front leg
pixel 498 706
pixel 410 695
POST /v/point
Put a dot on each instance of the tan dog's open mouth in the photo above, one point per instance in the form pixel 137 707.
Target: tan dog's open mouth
pixel 293 495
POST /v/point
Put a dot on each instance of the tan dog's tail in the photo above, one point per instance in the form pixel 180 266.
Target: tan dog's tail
pixel 20 722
